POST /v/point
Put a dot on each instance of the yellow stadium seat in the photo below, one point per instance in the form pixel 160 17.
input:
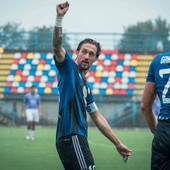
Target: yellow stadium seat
pixel 40 67
pixel 9 56
pixel 141 74
pixel 143 69
pixel 47 90
pixel 98 74
pixel 5 66
pixel 3 78
pixel 4 72
pixel 30 55
pixel 17 78
pixel 133 63
pixel 140 80
pixel 6 61
pixel 109 91
pixel 145 57
pixel 1 50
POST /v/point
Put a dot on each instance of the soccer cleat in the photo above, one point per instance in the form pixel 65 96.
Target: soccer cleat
pixel 27 137
pixel 32 138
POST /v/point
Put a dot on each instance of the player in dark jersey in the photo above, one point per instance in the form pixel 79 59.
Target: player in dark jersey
pixel 158 83
pixel 76 100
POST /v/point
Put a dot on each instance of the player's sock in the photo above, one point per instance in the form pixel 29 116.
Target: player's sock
pixel 28 135
pixel 32 134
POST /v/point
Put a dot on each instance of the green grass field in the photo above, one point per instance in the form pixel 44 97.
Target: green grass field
pixel 17 153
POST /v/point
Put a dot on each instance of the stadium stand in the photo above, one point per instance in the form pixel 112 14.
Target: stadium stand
pixel 116 79
pixel 5 64
pixel 112 74
pixel 29 68
pixel 143 62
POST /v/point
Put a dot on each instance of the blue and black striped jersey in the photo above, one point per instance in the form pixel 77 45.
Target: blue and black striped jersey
pixel 159 73
pixel 74 98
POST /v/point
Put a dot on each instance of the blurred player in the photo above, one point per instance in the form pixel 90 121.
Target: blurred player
pixel 75 99
pixel 158 83
pixel 32 109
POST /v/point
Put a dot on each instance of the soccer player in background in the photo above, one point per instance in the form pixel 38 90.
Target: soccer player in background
pixel 75 99
pixel 32 109
pixel 158 83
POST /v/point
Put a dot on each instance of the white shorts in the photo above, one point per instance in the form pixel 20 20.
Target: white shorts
pixel 32 115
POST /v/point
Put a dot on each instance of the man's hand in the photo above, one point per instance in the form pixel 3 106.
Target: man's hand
pixel 62 8
pixel 40 113
pixel 123 150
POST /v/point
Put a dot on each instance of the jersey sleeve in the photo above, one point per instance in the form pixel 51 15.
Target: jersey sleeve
pixel 150 77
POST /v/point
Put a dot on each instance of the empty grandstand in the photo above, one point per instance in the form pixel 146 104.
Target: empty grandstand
pixel 116 79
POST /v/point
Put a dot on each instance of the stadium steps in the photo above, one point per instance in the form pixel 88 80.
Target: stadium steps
pixel 143 62
pixel 6 113
pixel 5 121
pixel 6 61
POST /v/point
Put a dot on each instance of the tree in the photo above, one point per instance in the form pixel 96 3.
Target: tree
pixel 11 36
pixel 40 39
pixel 146 37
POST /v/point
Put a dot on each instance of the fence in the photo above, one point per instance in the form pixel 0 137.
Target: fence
pixel 116 112
pixel 143 43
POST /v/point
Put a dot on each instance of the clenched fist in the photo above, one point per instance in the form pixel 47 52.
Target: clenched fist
pixel 62 8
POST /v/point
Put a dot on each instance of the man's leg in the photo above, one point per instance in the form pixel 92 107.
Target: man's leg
pixel 75 153
pixel 28 135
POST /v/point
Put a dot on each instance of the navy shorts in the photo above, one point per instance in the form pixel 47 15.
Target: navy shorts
pixel 75 153
pixel 161 147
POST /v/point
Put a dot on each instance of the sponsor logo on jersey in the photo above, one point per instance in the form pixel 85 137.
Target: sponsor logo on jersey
pixel 165 59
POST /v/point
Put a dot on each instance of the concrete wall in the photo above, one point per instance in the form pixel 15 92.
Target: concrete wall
pixel 118 114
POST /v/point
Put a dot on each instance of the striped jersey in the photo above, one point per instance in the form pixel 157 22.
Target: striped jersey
pixel 74 98
pixel 159 73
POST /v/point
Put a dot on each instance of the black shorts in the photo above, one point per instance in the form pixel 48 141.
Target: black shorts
pixel 75 153
pixel 161 147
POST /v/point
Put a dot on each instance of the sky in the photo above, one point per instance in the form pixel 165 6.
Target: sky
pixel 100 16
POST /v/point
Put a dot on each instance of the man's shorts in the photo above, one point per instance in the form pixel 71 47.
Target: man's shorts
pixel 161 147
pixel 32 115
pixel 75 153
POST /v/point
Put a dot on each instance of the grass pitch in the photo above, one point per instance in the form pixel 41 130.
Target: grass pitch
pixel 17 153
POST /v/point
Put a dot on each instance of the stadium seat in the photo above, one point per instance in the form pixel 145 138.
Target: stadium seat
pixel 47 90
pixel 22 61
pixel 30 55
pixel 35 61
pixel 111 74
pixel 40 67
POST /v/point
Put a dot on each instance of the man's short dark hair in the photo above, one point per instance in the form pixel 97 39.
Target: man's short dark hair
pixel 90 41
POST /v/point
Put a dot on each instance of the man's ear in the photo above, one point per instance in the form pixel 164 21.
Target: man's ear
pixel 77 52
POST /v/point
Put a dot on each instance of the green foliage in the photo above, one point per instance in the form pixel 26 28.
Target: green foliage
pixel 11 36
pixel 146 37
pixel 38 39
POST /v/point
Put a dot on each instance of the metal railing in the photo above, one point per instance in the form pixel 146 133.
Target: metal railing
pixel 42 41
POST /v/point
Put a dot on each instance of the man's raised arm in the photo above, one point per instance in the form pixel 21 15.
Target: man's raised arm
pixel 59 52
